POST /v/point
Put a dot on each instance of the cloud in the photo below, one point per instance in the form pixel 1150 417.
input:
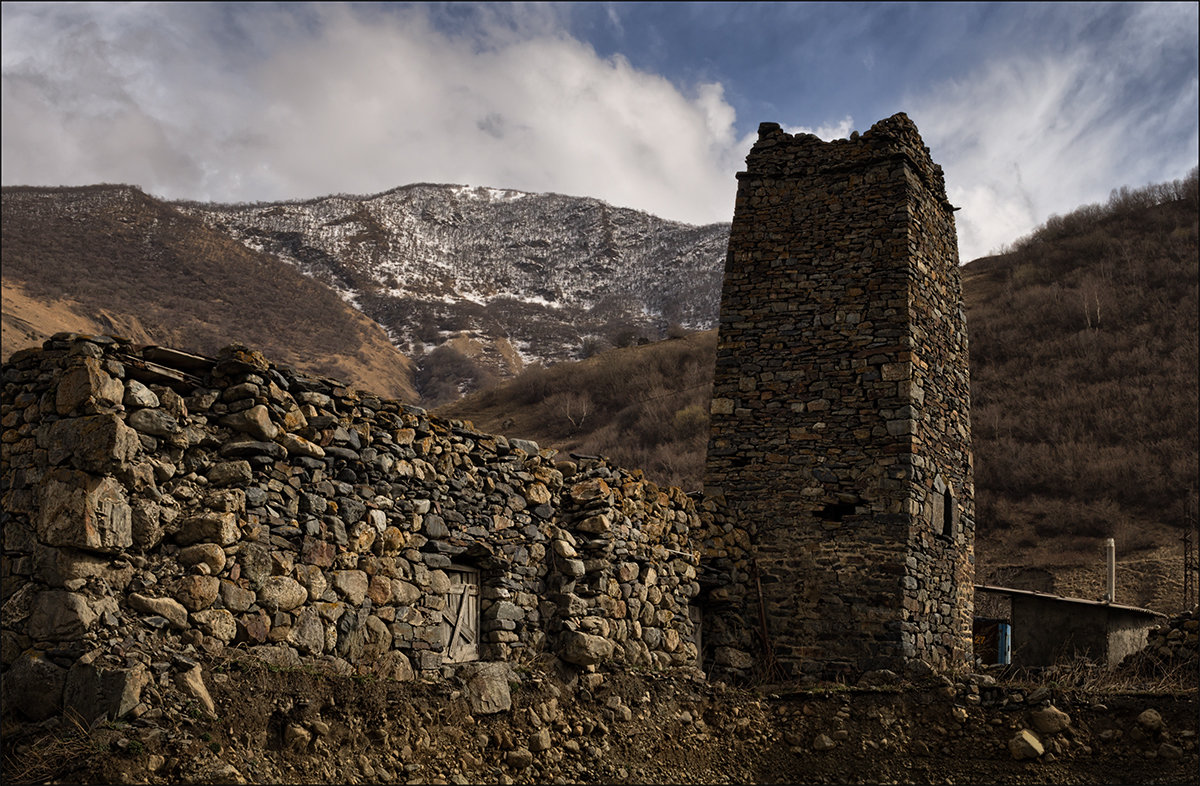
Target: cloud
pixel 344 99
pixel 1051 105
pixel 1040 132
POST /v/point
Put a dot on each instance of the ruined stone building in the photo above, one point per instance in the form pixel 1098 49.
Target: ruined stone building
pixel 156 500
pixel 840 443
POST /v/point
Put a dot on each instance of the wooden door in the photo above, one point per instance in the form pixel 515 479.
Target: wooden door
pixel 460 620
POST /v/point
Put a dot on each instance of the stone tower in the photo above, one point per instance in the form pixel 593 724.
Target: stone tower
pixel 840 438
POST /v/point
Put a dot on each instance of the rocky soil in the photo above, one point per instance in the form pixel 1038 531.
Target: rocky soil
pixel 297 725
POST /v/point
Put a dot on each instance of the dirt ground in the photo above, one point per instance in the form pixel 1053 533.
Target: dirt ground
pixel 297 725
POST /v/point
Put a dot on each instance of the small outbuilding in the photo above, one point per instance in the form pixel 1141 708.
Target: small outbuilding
pixel 1046 629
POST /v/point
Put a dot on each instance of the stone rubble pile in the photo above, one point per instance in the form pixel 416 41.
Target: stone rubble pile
pixel 157 502
pixel 1176 640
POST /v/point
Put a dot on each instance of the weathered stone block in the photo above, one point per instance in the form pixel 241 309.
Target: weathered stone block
pixel 155 422
pixel 235 598
pixel 33 686
pixel 59 615
pixel 218 623
pixel 255 421
pixel 197 592
pixel 254 559
pixel 171 610
pixel 282 593
pixel 210 555
pixel 146 527
pixel 596 525
pixel 584 649
pixel 96 689
pixel 230 473
pixel 1025 745
pixel 351 585
pixel 1050 720
pixel 218 528
pixel 86 387
pixel 84 511
pixel 97 443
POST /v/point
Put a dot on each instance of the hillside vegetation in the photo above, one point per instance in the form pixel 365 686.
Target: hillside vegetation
pixel 1084 373
pixel 132 265
pixel 1084 376
pixel 644 406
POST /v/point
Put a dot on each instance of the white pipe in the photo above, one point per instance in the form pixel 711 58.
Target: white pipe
pixel 1110 553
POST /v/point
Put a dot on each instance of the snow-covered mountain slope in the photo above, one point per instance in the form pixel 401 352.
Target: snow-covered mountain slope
pixel 521 277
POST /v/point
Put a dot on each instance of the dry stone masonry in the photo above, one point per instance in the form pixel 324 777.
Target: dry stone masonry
pixel 159 503
pixel 839 462
pixel 157 499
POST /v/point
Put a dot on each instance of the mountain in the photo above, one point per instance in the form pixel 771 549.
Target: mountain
pixel 111 259
pixel 1084 384
pixel 495 279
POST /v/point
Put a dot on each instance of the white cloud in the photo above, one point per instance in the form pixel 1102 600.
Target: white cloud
pixel 344 100
pixel 262 102
pixel 1031 135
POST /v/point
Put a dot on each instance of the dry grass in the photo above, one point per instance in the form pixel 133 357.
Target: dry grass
pixel 49 756
pixel 1141 674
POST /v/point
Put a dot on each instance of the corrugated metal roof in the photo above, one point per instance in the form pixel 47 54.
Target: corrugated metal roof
pixel 1049 596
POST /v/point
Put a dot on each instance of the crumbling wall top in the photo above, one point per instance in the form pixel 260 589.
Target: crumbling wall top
pixel 780 154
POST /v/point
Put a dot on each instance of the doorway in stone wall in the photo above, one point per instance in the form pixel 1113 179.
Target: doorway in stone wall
pixel 460 618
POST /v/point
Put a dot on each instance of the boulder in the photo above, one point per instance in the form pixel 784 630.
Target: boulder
pixel 191 682
pixel 351 585
pixel 308 633
pixel 1151 721
pixel 1025 745
pixel 95 689
pixel 393 665
pixel 218 623
pixel 823 742
pixel 296 445
pixel 1050 720
pixel 487 686
pixel 138 395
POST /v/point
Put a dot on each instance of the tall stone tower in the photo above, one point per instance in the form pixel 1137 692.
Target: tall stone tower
pixel 840 439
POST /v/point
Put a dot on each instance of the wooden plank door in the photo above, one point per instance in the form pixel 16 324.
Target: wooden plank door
pixel 460 622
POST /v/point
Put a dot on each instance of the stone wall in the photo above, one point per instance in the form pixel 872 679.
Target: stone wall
pixel 840 438
pixel 156 497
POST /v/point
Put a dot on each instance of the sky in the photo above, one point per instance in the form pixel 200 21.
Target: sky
pixel 1032 109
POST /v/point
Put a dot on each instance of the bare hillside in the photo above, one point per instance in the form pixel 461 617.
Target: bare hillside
pixel 112 259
